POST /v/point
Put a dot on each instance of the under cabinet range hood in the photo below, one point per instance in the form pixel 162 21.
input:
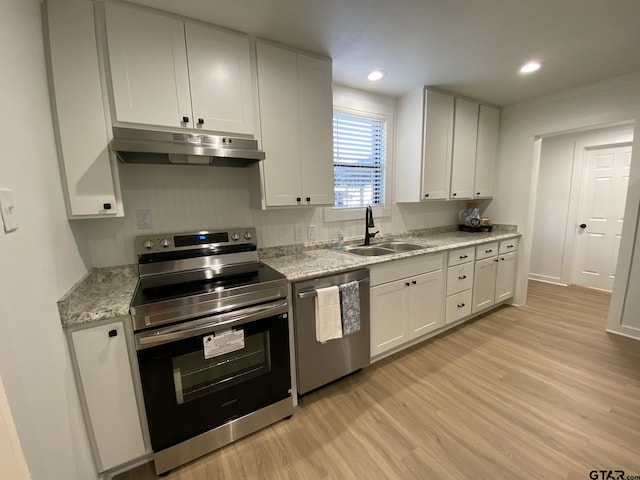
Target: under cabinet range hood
pixel 133 145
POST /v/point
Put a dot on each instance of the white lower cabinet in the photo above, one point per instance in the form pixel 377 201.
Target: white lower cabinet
pixel 495 276
pixel 405 303
pixel 107 390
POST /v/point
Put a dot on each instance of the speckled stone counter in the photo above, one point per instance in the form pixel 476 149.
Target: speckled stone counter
pixel 300 265
pixel 101 294
pixel 106 293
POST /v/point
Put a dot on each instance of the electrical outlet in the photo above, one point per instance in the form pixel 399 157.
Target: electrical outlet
pixel 143 219
pixel 311 233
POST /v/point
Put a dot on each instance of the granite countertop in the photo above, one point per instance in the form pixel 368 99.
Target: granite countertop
pixel 105 293
pixel 101 294
pixel 302 265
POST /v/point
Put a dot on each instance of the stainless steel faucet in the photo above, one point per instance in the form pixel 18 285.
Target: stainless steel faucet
pixel 368 223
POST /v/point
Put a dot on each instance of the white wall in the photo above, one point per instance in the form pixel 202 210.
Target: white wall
pixel 605 103
pixel 557 200
pixel 38 262
pixel 183 198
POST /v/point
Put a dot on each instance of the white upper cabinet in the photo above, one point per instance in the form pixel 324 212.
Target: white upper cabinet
pixel 487 150
pixel 425 134
pixel 296 106
pixel 169 73
pixel 90 174
pixel 446 147
pixel 220 79
pixel 465 135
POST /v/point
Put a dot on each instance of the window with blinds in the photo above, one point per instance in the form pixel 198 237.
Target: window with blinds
pixel 358 160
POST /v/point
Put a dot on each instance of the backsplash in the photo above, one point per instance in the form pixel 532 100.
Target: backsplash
pixel 185 198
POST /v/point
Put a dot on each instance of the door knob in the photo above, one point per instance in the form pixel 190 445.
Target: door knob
pixel 583 225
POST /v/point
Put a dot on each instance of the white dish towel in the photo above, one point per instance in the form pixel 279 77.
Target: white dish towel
pixel 328 319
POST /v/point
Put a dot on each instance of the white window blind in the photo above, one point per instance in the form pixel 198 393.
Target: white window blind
pixel 358 160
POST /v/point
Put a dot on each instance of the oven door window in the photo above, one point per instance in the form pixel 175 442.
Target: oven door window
pixel 195 375
pixel 186 393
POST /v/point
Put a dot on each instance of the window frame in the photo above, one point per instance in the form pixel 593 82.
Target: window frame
pixel 334 214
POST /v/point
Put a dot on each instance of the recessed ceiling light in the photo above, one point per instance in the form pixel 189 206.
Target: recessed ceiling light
pixel 376 75
pixel 530 67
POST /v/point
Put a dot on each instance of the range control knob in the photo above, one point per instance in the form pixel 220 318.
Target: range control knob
pixel 248 236
pixel 235 237
pixel 148 244
pixel 165 242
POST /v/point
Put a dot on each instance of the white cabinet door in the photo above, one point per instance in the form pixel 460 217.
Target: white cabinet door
pixel 89 180
pixel 437 145
pixel 388 316
pixel 506 276
pixel 425 310
pixel 220 80
pixel 487 151
pixel 148 59
pixel 279 119
pixel 465 135
pixel 484 284
pixel 316 130
pixel 107 384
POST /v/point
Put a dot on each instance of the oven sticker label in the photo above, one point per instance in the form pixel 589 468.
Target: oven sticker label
pixel 223 342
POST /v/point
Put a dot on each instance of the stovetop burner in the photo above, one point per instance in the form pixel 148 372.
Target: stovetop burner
pixel 192 274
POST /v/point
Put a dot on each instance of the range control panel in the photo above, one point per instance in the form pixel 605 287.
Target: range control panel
pixel 171 242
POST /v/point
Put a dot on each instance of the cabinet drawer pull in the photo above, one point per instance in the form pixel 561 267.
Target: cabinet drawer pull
pixel 509 246
pixel 462 257
pixel 462 277
pixel 488 251
pixel 496 260
pixel 407 284
pixel 460 305
pixel 413 282
pixel 502 259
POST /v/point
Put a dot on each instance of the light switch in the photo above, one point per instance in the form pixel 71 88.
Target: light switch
pixel 8 210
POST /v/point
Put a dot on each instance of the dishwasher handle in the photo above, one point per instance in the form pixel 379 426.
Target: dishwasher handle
pixel 312 293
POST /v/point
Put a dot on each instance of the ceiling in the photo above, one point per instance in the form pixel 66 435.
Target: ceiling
pixel 470 47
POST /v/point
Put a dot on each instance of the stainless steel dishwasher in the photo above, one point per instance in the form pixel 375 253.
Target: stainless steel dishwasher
pixel 320 363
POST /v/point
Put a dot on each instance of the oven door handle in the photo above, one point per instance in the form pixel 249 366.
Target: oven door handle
pixel 203 325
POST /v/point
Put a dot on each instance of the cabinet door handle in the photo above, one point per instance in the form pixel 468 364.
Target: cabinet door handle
pixel 113 333
pixel 308 199
pixel 185 119
pixel 426 195
pixel 496 260
pixel 455 194
pixel 488 251
pixel 478 194
pixel 460 305
pixel 298 199
pixel 201 121
pixel 407 284
pixel 462 277
pixel 106 206
pixel 413 282
pixel 502 259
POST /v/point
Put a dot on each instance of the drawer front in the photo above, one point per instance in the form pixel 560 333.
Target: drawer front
pixel 510 245
pixel 486 250
pixel 462 255
pixel 398 269
pixel 458 306
pixel 459 278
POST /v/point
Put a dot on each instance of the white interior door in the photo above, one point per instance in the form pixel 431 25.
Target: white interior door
pixel 602 203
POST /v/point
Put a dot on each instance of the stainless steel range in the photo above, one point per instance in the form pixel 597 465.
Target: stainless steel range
pixel 212 337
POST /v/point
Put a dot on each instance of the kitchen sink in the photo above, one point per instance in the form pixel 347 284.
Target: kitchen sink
pixel 385 248
pixel 400 246
pixel 369 251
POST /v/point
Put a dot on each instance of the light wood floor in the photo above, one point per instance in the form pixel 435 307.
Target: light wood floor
pixel 540 391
